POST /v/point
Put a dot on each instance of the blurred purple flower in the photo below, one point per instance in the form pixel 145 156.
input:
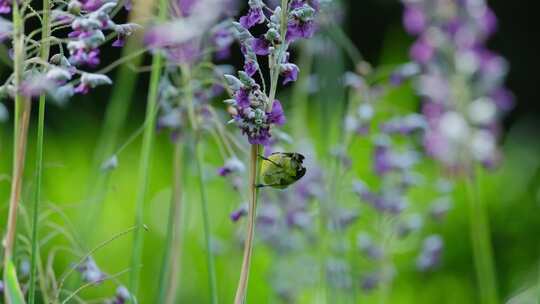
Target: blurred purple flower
pixel 289 72
pixel 254 16
pixel 414 20
pixel 261 46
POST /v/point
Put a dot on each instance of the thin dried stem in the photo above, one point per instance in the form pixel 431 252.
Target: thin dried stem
pixel 252 214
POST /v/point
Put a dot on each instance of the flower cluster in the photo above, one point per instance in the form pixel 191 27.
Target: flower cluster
pixel 250 109
pixel 61 76
pixel 461 81
pixel 395 156
pixel 193 31
pixel 184 37
pixel 174 102
pixel 89 19
pixel 255 110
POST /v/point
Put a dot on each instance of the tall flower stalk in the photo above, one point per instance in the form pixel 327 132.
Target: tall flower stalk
pixel 255 109
pixel 462 85
pixel 22 118
pixel 212 281
pixel 184 107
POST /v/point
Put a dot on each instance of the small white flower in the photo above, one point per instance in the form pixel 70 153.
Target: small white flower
pixel 58 74
pixel 482 111
pixel 483 145
pixel 365 112
pixel 94 80
pixel 454 127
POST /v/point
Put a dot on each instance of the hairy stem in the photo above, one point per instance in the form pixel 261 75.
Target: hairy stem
pixel 252 212
pixel 45 49
pixel 481 243
pixel 144 163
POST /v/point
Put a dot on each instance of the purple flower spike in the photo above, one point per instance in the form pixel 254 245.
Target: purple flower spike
pixel 254 16
pixel 252 110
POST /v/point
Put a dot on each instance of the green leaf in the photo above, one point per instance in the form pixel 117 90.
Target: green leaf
pixel 13 290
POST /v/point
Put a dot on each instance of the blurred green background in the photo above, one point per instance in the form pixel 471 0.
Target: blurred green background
pixel 512 191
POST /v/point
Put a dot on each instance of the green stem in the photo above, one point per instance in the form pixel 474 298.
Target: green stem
pixel 481 243
pixel 144 164
pixel 22 118
pixel 45 49
pixel 212 281
pixel 176 252
pixel 169 268
pixel 206 224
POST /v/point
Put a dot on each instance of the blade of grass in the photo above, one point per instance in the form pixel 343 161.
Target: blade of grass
pixel 144 164
pixel 13 290
pixel 481 242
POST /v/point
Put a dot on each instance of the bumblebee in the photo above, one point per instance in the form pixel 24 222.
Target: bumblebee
pixel 280 169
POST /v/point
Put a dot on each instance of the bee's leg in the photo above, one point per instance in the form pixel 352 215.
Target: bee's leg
pixel 268 159
pixel 266 185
